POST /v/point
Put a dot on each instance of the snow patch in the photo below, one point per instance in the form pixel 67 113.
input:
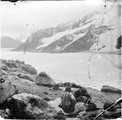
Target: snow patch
pixel 47 41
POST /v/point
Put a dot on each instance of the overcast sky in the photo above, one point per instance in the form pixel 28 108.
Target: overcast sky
pixel 19 20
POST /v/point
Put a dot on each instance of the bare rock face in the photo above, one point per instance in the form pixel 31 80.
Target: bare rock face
pixel 7 89
pixel 110 89
pixel 44 79
pixel 28 106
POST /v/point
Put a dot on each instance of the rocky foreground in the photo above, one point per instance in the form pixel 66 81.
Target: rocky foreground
pixel 26 94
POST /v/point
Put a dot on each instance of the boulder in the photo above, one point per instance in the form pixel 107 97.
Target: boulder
pixel 110 89
pixel 73 85
pixel 3 114
pixel 16 71
pixel 112 114
pixel 11 64
pixel 3 60
pixel 29 69
pixel 28 106
pixel 7 89
pixel 10 60
pixel 56 87
pixel 54 104
pixel 4 67
pixel 44 79
pixel 79 106
pixel 27 76
pixel 19 61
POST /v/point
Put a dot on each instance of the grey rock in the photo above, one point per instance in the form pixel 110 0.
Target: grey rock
pixel 11 64
pixel 30 107
pixel 19 61
pixel 44 79
pixel 27 76
pixel 7 89
pixel 29 69
pixel 110 89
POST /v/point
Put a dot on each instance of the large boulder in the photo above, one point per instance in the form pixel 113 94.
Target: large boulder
pixel 110 89
pixel 4 67
pixel 44 79
pixel 28 106
pixel 11 64
pixel 3 60
pixel 7 89
pixel 29 69
pixel 19 61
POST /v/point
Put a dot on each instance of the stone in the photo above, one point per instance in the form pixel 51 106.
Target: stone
pixel 3 114
pixel 110 89
pixel 29 69
pixel 7 89
pixel 54 104
pixel 56 87
pixel 112 114
pixel 29 107
pixel 11 64
pixel 11 61
pixel 44 79
pixel 79 107
pixel 4 67
pixel 19 61
pixel 73 85
pixel 3 61
pixel 26 76
pixel 2 80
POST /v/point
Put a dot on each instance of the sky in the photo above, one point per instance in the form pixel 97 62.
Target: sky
pixel 20 20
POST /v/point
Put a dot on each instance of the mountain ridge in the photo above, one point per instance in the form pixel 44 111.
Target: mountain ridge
pixel 77 35
pixel 9 42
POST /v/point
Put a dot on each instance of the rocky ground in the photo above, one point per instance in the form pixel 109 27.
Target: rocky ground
pixel 25 93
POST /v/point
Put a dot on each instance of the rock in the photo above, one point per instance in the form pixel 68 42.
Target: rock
pixel 99 98
pixel 7 89
pixel 79 106
pixel 16 71
pixel 3 61
pixel 29 69
pixel 108 104
pixel 19 61
pixel 60 84
pixel 44 79
pixel 2 80
pixel 4 67
pixel 112 114
pixel 11 64
pixel 73 85
pixel 11 61
pixel 110 89
pixel 3 114
pixel 54 104
pixel 29 107
pixel 56 87
pixel 46 99
pixel 26 76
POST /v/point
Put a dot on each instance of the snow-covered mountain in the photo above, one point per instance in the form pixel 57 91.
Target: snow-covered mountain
pixel 101 27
